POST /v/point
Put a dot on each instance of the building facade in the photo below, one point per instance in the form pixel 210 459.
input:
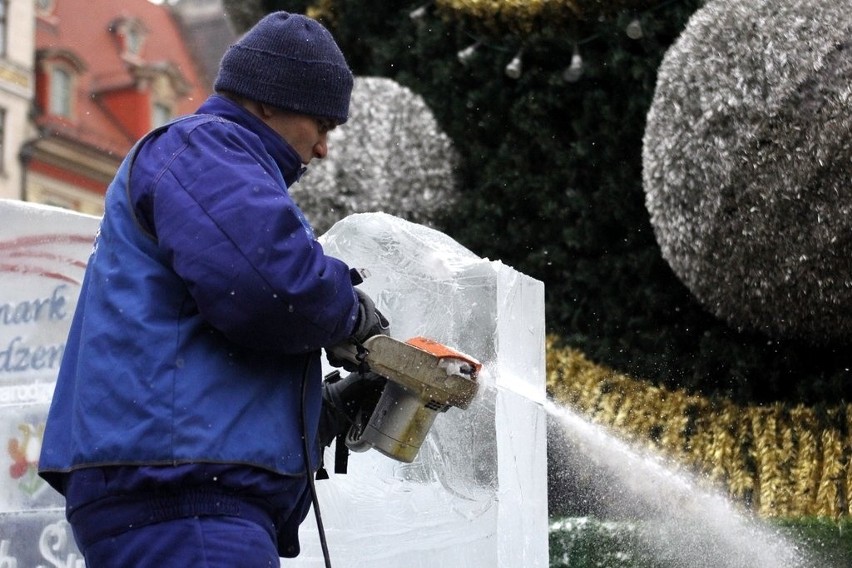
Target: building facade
pixel 106 72
pixel 207 32
pixel 17 82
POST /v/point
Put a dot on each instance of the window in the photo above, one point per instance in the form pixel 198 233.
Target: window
pixel 160 115
pixel 131 35
pixel 4 25
pixel 57 201
pixel 133 41
pixel 60 92
pixel 45 6
pixel 2 140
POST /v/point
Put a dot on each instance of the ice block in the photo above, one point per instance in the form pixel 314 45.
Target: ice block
pixel 476 494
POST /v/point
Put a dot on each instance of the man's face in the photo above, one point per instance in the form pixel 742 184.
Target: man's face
pixel 307 135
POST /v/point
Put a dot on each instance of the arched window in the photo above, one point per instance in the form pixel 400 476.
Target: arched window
pixel 60 92
pixel 45 6
pixel 160 114
pixel 131 34
pixel 132 40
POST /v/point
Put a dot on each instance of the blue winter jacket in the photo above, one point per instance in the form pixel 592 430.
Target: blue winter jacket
pixel 204 305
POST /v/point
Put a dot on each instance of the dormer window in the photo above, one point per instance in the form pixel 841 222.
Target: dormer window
pixel 60 92
pixel 57 77
pixel 133 41
pixel 45 7
pixel 160 114
pixel 131 35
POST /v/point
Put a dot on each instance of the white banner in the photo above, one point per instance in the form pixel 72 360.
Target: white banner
pixel 43 255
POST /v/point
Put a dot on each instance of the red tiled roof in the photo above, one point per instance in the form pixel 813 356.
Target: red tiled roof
pixel 82 27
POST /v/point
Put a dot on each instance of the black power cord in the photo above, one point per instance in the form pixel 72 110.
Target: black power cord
pixel 311 485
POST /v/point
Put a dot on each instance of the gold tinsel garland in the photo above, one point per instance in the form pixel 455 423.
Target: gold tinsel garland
pixel 520 17
pixel 780 461
pixel 525 16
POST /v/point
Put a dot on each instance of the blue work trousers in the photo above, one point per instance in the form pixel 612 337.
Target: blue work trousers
pixel 192 542
pixel 196 528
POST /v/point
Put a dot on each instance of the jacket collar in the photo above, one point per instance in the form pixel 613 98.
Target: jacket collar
pixel 284 155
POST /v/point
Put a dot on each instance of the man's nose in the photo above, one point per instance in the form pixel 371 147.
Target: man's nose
pixel 321 149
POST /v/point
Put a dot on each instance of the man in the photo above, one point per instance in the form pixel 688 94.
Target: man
pixel 184 426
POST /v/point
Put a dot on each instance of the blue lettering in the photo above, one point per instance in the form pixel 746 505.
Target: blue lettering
pixel 57 304
pixel 6 356
pixel 17 357
pixel 51 308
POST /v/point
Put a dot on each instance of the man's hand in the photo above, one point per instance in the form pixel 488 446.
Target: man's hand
pixel 370 322
pixel 342 398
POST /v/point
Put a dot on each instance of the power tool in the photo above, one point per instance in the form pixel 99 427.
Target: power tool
pixel 424 378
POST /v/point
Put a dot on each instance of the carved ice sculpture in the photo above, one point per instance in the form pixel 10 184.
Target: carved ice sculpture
pixel 476 494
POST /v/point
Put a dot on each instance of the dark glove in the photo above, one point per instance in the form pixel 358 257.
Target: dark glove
pixel 343 398
pixel 370 322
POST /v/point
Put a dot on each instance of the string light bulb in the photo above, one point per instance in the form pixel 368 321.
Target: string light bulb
pixel 418 13
pixel 634 29
pixel 515 66
pixel 574 71
pixel 466 54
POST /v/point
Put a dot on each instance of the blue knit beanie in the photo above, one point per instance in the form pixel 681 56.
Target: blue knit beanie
pixel 291 62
